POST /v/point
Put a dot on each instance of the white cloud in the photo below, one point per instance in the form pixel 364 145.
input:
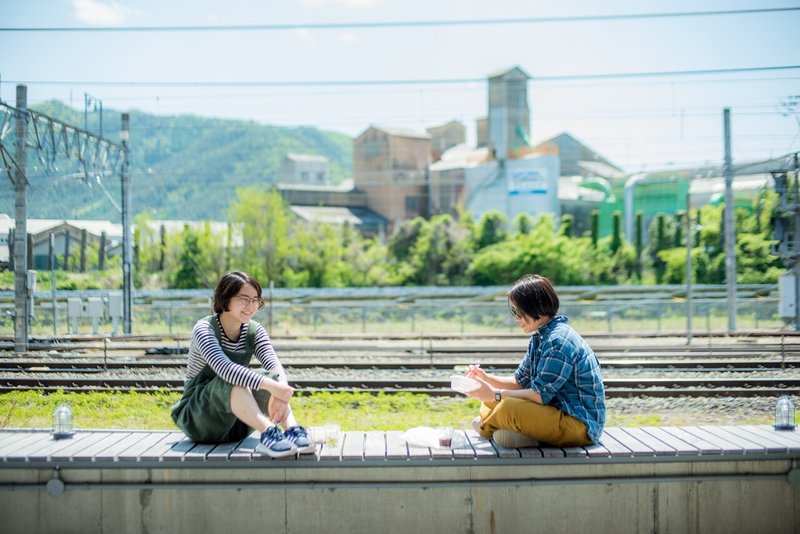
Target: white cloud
pixel 99 13
pixel 348 38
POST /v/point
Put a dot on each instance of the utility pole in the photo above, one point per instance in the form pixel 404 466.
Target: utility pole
pixel 730 224
pixel 795 257
pixel 98 106
pixel 127 249
pixel 689 243
pixel 21 296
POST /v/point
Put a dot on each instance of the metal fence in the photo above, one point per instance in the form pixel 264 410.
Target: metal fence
pixel 421 311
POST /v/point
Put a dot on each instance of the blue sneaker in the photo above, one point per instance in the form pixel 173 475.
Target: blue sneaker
pixel 274 443
pixel 299 437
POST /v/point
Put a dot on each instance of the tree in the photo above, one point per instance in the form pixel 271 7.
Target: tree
pixel 189 273
pixel 491 229
pixel 523 223
pixel 267 234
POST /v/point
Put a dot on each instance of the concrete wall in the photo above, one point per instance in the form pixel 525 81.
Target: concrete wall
pixel 684 497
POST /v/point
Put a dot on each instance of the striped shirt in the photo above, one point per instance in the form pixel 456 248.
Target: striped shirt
pixel 206 350
pixel 564 371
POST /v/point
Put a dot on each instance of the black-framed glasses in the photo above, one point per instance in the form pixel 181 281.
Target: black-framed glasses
pixel 514 311
pixel 244 301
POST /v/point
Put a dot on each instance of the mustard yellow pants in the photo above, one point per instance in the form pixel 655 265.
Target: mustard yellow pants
pixel 544 423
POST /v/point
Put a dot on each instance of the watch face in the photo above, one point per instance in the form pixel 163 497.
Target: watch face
pixel 497 395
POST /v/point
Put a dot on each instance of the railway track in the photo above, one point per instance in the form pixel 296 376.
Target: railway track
pixel 616 387
pixel 673 369
pixel 96 366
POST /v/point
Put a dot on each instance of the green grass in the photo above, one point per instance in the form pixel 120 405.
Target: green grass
pixel 150 411
pixel 351 411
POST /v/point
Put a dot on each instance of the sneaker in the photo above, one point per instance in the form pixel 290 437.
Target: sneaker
pixel 298 436
pixel 274 443
pixel 513 440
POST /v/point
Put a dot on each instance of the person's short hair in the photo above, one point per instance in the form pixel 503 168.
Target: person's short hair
pixel 534 295
pixel 229 286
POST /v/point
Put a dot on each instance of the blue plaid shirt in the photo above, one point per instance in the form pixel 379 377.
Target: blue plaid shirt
pixel 564 371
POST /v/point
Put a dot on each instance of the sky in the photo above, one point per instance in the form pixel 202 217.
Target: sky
pixel 330 64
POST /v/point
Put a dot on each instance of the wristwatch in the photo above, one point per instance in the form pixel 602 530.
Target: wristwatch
pixel 497 395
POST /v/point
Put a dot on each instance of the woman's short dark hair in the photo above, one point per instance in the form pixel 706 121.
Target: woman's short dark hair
pixel 229 286
pixel 534 296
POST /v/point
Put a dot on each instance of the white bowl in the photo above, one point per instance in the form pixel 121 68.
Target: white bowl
pixel 463 384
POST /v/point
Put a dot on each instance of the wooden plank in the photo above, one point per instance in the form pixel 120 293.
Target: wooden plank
pixel 722 444
pixel 395 445
pixel 136 450
pixel 548 451
pixel 777 441
pixel 792 436
pixel 353 447
pixel 441 453
pixel 21 441
pixel 700 443
pixel 178 450
pixel 597 450
pixel 375 445
pixel 503 452
pixel 748 446
pixel 246 449
pixel 199 452
pixel 40 450
pixel 659 447
pixel 222 451
pixel 464 450
pixel 680 447
pixel 86 451
pixel 418 452
pixel 636 447
pixel 112 452
pixel 7 436
pixel 157 450
pixel 574 452
pixel 531 452
pixel 483 447
pixel 332 449
pixel 614 447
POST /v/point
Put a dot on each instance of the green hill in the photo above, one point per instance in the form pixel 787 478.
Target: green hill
pixel 183 167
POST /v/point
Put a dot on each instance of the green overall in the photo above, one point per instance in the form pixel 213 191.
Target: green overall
pixel 204 411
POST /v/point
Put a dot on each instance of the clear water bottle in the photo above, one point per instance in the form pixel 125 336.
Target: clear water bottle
pixel 62 422
pixel 784 413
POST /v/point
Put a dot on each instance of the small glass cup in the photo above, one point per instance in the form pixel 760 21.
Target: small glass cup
pixel 446 437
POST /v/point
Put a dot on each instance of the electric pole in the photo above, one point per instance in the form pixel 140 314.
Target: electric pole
pixel 730 224
pixel 21 296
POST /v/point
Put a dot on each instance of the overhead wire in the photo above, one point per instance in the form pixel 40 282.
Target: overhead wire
pixel 399 24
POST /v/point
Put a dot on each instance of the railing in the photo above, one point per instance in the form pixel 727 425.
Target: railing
pixel 624 310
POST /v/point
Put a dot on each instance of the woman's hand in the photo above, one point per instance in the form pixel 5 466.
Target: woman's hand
pixel 475 371
pixel 277 410
pixel 277 389
pixel 485 392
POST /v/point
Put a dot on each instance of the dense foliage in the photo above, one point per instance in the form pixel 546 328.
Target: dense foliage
pixel 448 250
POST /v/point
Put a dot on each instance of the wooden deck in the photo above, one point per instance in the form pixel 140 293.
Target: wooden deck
pixel 127 448
pixel 693 479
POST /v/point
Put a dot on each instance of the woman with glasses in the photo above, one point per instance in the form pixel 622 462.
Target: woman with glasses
pixel 556 395
pixel 224 400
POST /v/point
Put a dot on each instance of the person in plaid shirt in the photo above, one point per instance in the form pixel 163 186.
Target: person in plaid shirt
pixel 556 395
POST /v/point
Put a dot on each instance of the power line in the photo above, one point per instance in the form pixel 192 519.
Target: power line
pixel 420 81
pixel 401 24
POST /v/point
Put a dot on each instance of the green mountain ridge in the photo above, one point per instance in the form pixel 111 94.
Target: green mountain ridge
pixel 182 167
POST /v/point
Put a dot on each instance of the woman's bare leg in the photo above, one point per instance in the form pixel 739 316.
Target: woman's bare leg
pixel 246 409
